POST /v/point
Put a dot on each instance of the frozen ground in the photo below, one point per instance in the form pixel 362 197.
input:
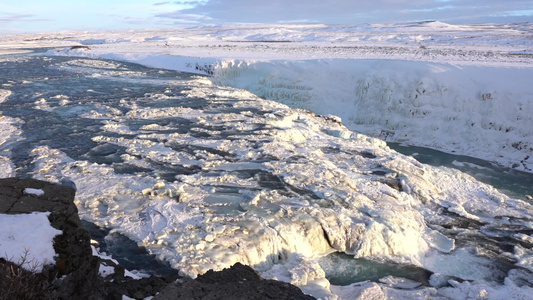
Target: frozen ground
pixel 204 175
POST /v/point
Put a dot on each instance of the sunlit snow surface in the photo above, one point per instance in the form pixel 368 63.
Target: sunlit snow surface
pixel 481 111
pixel 204 176
pixel 26 240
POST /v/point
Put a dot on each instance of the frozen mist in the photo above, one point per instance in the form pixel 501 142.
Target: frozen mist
pixel 205 175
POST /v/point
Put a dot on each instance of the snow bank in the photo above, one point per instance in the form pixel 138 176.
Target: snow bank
pixel 27 240
pixel 480 111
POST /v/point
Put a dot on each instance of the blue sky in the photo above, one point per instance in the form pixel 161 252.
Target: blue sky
pixel 19 16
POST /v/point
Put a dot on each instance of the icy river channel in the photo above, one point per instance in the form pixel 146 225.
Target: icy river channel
pixel 203 176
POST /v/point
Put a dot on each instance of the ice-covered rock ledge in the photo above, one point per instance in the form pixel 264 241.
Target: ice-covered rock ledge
pixel 42 219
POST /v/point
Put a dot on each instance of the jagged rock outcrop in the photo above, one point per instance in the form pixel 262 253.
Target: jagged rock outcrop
pixel 236 283
pixel 76 272
pixel 74 261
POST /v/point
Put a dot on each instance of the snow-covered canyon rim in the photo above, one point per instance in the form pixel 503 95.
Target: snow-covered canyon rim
pixel 480 111
pixel 462 89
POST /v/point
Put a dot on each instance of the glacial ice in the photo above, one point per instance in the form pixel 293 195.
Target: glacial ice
pixel 466 109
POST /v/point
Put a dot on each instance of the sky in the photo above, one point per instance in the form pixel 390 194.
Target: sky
pixel 21 16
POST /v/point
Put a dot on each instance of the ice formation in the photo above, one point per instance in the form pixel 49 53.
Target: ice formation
pixel 204 176
pixel 470 110
pixel 9 131
pixel 242 179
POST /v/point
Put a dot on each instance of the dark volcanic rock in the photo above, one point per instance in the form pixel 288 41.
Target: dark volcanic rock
pixel 73 246
pixel 236 283
pixel 74 255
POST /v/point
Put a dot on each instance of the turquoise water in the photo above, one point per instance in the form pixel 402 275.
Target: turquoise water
pixel 342 269
pixel 515 184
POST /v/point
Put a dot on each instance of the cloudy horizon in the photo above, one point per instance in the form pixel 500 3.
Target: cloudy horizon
pixel 56 15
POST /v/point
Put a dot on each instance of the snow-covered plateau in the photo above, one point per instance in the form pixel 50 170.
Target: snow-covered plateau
pixel 273 153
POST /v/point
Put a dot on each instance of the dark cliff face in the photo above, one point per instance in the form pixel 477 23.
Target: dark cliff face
pixel 76 272
pixel 73 246
pixel 74 262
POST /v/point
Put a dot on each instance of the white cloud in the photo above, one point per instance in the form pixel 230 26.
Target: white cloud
pixel 53 15
pixel 349 11
pixel 8 18
pixel 186 18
